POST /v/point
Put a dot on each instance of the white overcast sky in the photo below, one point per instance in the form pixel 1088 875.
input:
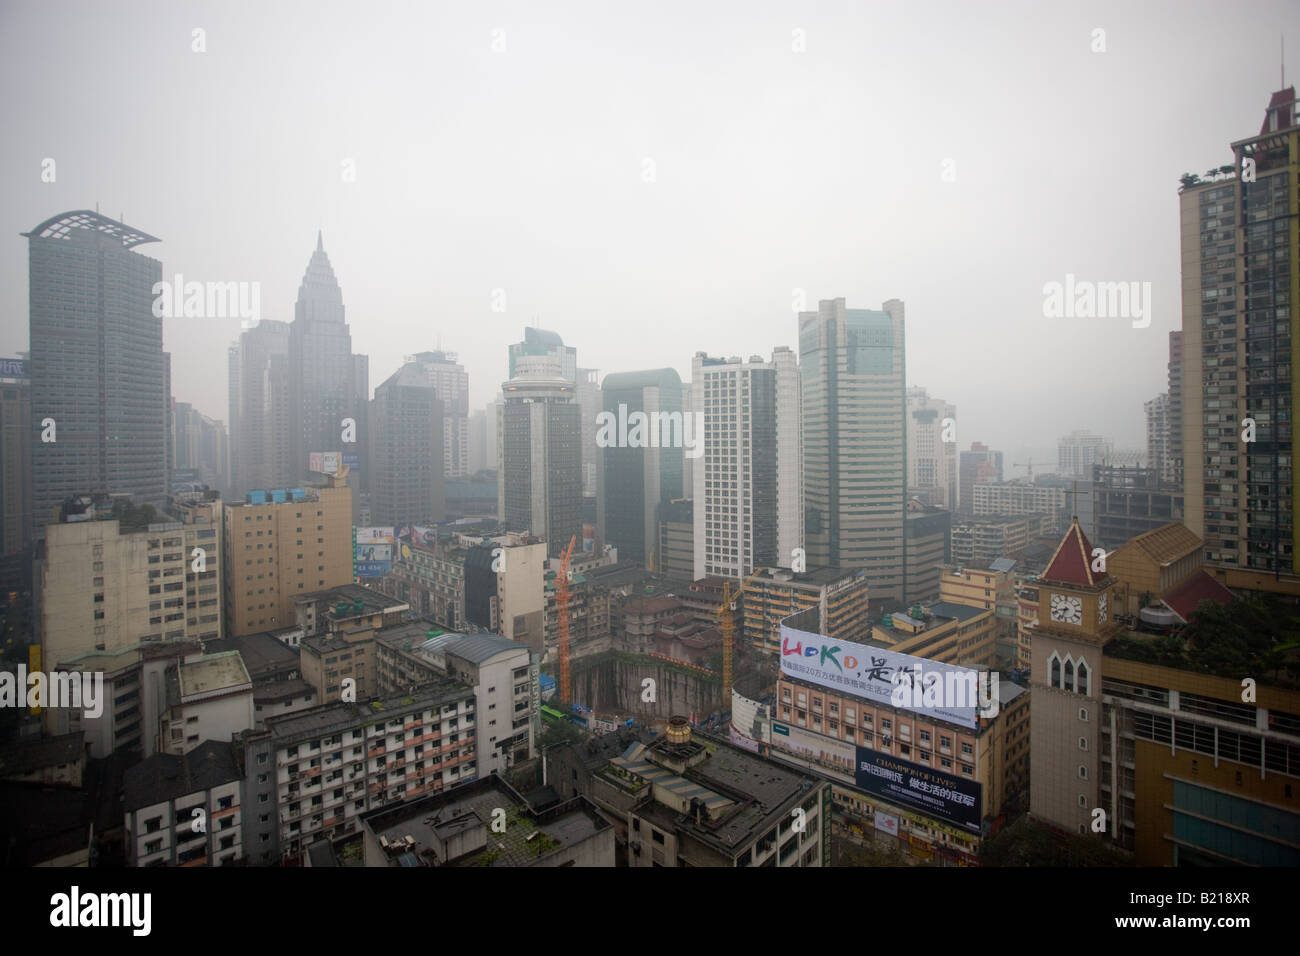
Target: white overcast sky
pixel 523 170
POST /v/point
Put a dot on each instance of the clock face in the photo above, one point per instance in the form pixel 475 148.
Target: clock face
pixel 1067 609
pixel 1101 609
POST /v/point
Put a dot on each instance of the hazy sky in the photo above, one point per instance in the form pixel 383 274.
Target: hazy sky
pixel 525 170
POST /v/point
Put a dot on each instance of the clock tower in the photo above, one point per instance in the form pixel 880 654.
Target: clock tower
pixel 1075 619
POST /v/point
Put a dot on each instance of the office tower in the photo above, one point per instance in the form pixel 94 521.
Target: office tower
pixel 15 456
pixel 590 403
pixel 450 382
pixel 408 418
pixel 200 448
pixel 539 342
pixel 855 469
pixel 642 470
pixel 98 370
pixel 748 484
pixel 931 449
pixel 980 465
pixel 1175 440
pixel 1078 451
pixel 109 580
pixel 1241 335
pixel 540 429
pixel 280 545
pixel 324 384
pixel 1158 430
pixel 259 408
pixel 677 541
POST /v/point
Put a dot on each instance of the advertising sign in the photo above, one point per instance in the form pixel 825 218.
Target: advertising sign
pixel 912 785
pixel 874 674
pixel 886 822
pixel 744 743
pixel 13 368
pixel 835 757
pixel 373 569
pixel 374 551
pixel 325 462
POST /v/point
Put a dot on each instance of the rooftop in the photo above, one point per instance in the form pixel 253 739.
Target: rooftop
pixel 262 653
pixel 27 755
pixel 213 672
pixel 164 777
pixel 326 719
pixel 1166 544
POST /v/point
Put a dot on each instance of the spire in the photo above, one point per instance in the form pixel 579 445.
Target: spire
pixel 320 242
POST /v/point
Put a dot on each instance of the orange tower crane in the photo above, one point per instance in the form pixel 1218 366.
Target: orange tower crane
pixel 562 618
pixel 726 612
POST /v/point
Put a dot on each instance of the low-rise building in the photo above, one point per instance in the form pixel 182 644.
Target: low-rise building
pixel 987 538
pixel 184 809
pixel 50 761
pixel 487 823
pixel 209 697
pixel 775 593
pixel 942 631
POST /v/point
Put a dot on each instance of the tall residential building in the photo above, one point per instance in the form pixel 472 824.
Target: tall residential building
pixel 589 402
pixel 326 381
pixel 1241 334
pixel 480 451
pixel 1175 443
pixel 1078 451
pixel 748 489
pixel 281 545
pixel 855 468
pixel 980 465
pixel 931 449
pixel 540 429
pixel 15 456
pixel 643 472
pixel 1159 424
pixel 407 421
pixel 451 383
pixel 259 408
pixel 109 582
pixel 98 371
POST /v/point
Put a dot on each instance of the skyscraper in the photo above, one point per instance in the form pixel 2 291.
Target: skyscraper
pixel 931 450
pixel 259 408
pixel 1241 334
pixel 540 434
pixel 748 484
pixel 1158 429
pixel 1078 451
pixel 99 394
pixel 978 466
pixel 451 383
pixel 542 342
pixel 1175 445
pixel 15 456
pixel 324 375
pixel 639 478
pixel 855 469
pixel 408 485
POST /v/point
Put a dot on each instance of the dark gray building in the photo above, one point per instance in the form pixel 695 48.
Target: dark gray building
pixel 98 370
pixel 640 475
pixel 407 419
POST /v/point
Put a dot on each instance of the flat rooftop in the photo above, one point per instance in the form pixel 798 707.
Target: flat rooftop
pixel 213 672
pixel 262 653
pixel 327 719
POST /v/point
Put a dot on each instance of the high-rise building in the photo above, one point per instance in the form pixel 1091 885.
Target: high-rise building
pixel 748 488
pixel 646 470
pixel 1241 334
pixel 931 449
pixel 980 465
pixel 200 447
pixel 589 402
pixel 407 422
pixel 109 581
pixel 99 385
pixel 1158 431
pixel 326 383
pixel 1175 441
pixel 855 468
pixel 540 429
pixel 281 545
pixel 539 342
pixel 1078 451
pixel 451 383
pixel 259 408
pixel 15 456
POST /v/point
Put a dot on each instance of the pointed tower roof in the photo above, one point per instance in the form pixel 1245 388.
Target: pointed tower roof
pixel 320 241
pixel 1072 562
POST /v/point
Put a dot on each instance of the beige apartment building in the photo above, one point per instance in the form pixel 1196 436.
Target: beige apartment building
pixel 282 545
pixel 106 588
pixel 945 632
pixel 775 593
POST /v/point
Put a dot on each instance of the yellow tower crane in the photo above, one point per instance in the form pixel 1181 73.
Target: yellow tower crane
pixel 726 612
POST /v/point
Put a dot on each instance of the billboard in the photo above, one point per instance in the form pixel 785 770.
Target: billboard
pixel 913 785
pixel 13 368
pixel 374 551
pixel 836 757
pixel 325 462
pixel 873 674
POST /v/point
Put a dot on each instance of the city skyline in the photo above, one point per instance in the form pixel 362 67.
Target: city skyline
pixel 1120 216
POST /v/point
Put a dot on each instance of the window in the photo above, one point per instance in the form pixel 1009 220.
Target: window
pixel 1083 678
pixel 657 836
pixel 1083 714
pixel 1083 743
pixel 1069 674
pixel 1083 773
pixel 1083 801
pixel 1055 663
